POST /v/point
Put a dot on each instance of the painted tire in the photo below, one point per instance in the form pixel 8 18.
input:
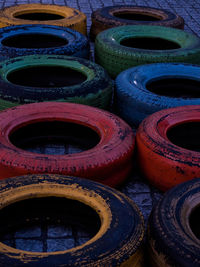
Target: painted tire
pixel 112 16
pixel 95 88
pixel 167 148
pixel 172 84
pixel 36 14
pixel 115 57
pixel 108 161
pixel 106 248
pixel 23 40
pixel 172 230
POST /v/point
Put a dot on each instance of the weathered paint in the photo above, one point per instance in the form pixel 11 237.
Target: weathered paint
pixel 96 90
pixel 104 18
pixel 115 58
pixel 171 241
pixel 76 43
pixel 73 18
pixel 109 162
pixel 134 101
pixel 163 163
pixel 105 248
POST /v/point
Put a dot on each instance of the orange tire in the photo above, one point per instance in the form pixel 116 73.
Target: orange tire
pixel 44 14
pixel 168 146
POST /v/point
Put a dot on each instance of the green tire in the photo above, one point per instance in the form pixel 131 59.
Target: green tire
pixel 149 44
pixel 34 74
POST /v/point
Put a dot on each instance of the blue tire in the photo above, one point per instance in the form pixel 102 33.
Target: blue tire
pixel 143 90
pixel 23 40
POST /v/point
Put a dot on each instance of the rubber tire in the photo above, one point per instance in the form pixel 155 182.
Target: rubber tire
pixel 171 241
pixel 163 163
pixel 76 43
pixel 96 90
pixel 73 18
pixel 106 248
pixel 115 57
pixel 104 18
pixel 109 162
pixel 134 102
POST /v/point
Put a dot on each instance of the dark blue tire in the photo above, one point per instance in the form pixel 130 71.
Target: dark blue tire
pixel 173 230
pixel 118 241
pixel 143 90
pixel 23 40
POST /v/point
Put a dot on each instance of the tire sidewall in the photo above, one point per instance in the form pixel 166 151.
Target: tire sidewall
pixel 100 251
pixel 131 87
pixel 170 238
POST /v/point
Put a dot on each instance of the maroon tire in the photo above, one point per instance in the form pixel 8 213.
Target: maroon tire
pixel 114 16
pixel 108 147
pixel 168 146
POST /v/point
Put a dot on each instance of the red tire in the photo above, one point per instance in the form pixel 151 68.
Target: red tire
pixel 169 147
pixel 109 161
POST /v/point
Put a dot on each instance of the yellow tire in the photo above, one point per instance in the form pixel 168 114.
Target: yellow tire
pixel 43 14
pixel 119 238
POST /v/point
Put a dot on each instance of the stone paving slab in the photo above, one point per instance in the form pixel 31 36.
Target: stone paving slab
pixel 136 187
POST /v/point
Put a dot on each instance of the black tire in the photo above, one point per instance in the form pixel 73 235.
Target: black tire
pixel 120 48
pixel 19 87
pixel 117 243
pixel 143 90
pixel 173 231
pixel 24 40
pixel 114 16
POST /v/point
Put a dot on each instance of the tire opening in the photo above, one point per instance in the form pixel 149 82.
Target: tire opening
pixel 34 40
pixel 46 76
pixel 131 15
pixel 149 43
pixel 42 16
pixel 175 87
pixel 194 221
pixel 54 138
pixel 47 224
pixel 185 135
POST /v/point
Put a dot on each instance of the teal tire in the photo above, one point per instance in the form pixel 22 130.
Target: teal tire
pixel 39 78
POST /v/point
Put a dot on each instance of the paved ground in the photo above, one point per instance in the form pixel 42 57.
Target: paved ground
pixel 136 188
